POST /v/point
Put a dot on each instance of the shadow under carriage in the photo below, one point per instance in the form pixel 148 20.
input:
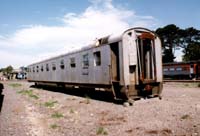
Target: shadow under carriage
pixel 83 92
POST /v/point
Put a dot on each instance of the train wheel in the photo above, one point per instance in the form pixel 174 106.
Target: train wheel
pixel 131 102
pixel 126 104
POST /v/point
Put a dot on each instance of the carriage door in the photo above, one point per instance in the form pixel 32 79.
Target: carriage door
pixel 191 70
pixel 115 62
pixel 146 57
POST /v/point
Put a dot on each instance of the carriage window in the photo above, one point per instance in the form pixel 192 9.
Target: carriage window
pixel 179 69
pixel 165 69
pixel 33 69
pixel 171 69
pixel 29 69
pixel 72 62
pixel 47 67
pixel 97 58
pixel 85 60
pixel 37 69
pixel 62 65
pixel 42 69
pixel 53 66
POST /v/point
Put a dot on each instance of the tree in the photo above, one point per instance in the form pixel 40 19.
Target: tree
pixel 191 42
pixel 7 71
pixel 192 52
pixel 171 38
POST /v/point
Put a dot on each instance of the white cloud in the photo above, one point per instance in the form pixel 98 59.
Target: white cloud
pixel 17 60
pixel 37 42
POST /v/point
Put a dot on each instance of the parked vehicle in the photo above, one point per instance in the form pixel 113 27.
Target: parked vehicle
pixel 128 65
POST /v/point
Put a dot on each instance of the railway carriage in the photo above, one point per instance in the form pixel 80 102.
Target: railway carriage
pixel 182 70
pixel 128 65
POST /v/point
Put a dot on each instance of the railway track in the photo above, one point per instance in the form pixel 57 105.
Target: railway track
pixel 186 81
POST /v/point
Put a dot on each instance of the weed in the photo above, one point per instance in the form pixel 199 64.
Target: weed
pixel 25 92
pixel 15 85
pixel 28 93
pixel 50 104
pixel 87 101
pixel 54 126
pixel 101 130
pixel 34 96
pixel 190 85
pixel 57 115
pixel 71 111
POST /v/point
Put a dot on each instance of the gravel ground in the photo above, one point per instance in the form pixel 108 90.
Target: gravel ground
pixel 31 111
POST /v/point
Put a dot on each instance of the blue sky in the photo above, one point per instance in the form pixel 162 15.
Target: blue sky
pixel 31 30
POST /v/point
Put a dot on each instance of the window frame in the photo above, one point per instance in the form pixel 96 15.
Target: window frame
pixel 165 69
pixel 53 64
pixel 42 68
pixel 172 69
pixel 85 60
pixel 33 69
pixel 97 58
pixel 47 67
pixel 73 62
pixel 37 68
pixel 62 64
pixel 179 69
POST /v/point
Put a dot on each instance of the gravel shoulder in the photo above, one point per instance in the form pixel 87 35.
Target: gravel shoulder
pixel 29 111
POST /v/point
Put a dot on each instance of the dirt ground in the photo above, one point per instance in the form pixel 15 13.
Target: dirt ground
pixel 29 111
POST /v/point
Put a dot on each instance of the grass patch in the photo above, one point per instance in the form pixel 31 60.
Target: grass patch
pixel 189 85
pixel 34 96
pixel 54 126
pixel 101 131
pixel 86 100
pixel 57 115
pixel 50 104
pixel 71 111
pixel 186 85
pixel 14 85
pixel 28 93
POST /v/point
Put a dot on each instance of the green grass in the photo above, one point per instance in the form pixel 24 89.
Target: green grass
pixel 186 85
pixel 57 115
pixel 71 111
pixel 87 99
pixel 54 126
pixel 34 96
pixel 28 93
pixel 14 85
pixel 50 104
pixel 101 131
pixel 189 85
